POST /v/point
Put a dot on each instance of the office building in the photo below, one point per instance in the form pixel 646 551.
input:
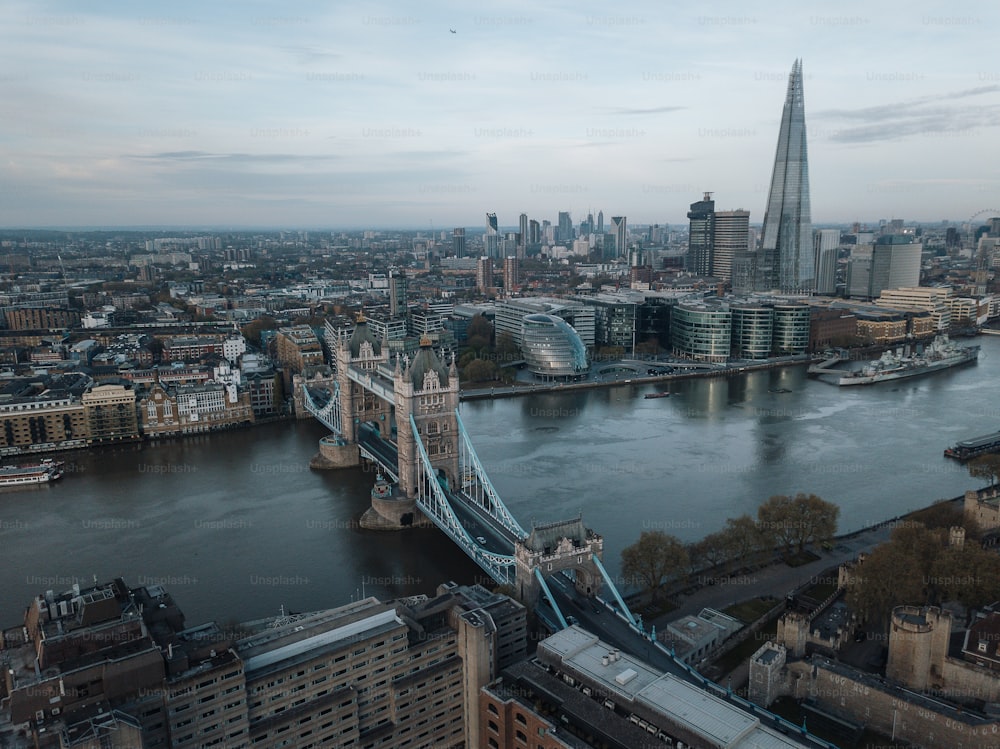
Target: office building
pixel 701 233
pixel 701 331
pixel 934 301
pixel 511 312
pixel 786 261
pixel 619 225
pixel 752 330
pixel 893 262
pixel 458 241
pixel 564 231
pixel 551 348
pixel 397 293
pixel 522 236
pixel 731 235
pixel 534 233
pixel 491 240
pixel 827 244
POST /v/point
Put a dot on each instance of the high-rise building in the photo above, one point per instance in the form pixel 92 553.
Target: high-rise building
pixel 700 236
pixel 893 262
pixel 492 237
pixel 787 251
pixel 731 234
pixel 534 232
pixel 600 222
pixel 827 242
pixel 397 293
pixel 564 232
pixel 619 225
pixel 484 274
pixel 522 238
pixel 458 241
pixel 510 274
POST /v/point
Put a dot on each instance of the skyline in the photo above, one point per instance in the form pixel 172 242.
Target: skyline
pixel 317 117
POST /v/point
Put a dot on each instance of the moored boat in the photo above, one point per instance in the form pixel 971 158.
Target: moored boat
pixel 940 354
pixel 31 473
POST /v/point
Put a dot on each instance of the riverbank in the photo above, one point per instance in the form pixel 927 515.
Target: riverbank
pixel 723 370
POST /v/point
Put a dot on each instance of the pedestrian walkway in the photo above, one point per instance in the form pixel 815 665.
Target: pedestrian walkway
pixel 778 579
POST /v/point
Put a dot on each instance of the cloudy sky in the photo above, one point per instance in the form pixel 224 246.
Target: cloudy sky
pixel 329 114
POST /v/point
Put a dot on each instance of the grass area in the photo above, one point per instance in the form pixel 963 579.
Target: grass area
pixel 730 660
pixel 821 591
pixel 654 609
pixel 749 611
pixel 800 558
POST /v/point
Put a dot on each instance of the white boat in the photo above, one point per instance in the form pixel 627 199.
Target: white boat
pixel 33 473
pixel 940 354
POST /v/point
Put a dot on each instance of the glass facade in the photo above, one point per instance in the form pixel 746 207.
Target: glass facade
pixel 791 329
pixel 787 244
pixel 551 348
pixel 752 331
pixel 702 332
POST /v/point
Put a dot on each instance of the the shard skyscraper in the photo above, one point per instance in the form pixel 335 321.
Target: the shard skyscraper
pixel 786 260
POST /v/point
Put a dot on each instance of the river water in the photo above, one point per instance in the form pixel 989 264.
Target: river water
pixel 237 525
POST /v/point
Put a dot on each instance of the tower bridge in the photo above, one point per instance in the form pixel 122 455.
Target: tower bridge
pixel 402 415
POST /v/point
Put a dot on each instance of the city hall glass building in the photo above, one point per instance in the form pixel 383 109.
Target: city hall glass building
pixel 551 348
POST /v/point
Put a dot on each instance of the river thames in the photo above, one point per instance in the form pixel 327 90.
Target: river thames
pixel 237 525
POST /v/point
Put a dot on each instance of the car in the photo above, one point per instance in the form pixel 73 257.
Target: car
pixel 572 620
pixel 596 608
pixel 859 636
pixel 481 540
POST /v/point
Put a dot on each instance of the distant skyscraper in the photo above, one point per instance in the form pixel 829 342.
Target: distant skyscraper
pixel 730 235
pixel 510 275
pixel 458 242
pixel 619 224
pixel 522 239
pixel 484 275
pixel 492 238
pixel 700 235
pixel 564 232
pixel 534 232
pixel 600 222
pixel 397 293
pixel 787 246
pixel 827 244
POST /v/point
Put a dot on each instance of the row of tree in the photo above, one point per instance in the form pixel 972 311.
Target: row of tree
pixel 786 523
pixel 918 566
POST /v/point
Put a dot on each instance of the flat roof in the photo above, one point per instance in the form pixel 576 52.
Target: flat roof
pixel 717 721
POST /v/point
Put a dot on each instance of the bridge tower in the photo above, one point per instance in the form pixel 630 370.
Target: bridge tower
pixel 360 351
pixel 427 390
pixel 552 548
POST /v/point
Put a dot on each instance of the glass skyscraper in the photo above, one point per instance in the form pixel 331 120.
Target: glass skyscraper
pixel 786 261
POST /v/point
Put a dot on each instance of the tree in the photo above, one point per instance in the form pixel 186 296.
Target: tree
pixel 480 332
pixel 884 580
pixel 798 521
pixel 985 467
pixel 654 558
pixel 745 538
pixel 480 370
pixel 507 351
pixel 252 330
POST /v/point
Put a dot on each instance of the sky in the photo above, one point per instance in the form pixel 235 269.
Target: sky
pixel 428 115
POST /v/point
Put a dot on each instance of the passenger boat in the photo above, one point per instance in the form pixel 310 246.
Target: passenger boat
pixel 34 473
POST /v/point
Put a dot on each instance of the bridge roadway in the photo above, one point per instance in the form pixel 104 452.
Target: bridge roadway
pixel 475 521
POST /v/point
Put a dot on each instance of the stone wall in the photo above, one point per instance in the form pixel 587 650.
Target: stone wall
pixel 889 710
